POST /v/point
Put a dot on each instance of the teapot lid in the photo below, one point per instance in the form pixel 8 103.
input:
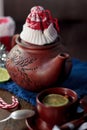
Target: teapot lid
pixel 40 28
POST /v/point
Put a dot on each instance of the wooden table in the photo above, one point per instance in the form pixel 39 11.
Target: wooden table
pixel 19 124
pixel 12 124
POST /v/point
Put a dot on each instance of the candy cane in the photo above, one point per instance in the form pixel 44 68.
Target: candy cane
pixel 5 105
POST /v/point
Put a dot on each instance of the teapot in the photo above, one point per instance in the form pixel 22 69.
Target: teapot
pixel 36 67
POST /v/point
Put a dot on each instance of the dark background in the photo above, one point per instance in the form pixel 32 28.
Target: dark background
pixel 72 16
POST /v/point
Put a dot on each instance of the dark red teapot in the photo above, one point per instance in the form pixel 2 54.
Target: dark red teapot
pixel 38 59
pixel 37 67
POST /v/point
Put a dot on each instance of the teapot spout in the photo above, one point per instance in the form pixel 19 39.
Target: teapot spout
pixel 59 62
pixel 52 69
pixel 62 66
pixel 62 57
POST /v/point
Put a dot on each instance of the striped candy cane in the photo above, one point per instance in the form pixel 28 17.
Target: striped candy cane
pixel 5 105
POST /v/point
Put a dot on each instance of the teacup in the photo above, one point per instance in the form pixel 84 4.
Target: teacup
pixel 59 113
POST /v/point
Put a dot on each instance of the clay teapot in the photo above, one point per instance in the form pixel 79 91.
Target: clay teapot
pixel 36 67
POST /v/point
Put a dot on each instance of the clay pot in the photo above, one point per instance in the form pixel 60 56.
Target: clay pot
pixel 57 115
pixel 35 67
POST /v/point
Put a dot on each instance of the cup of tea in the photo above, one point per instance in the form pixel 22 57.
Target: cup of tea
pixel 56 105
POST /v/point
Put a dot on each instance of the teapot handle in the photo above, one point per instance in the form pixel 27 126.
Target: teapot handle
pixel 13 42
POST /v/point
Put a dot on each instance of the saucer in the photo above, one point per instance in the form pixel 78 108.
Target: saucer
pixel 36 123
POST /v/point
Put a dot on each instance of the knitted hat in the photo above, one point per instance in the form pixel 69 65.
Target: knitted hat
pixel 40 28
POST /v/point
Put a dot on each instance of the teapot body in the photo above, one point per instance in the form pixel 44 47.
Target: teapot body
pixel 36 67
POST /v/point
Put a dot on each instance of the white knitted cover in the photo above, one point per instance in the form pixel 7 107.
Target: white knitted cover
pixel 39 27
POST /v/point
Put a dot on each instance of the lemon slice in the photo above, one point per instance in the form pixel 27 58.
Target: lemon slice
pixel 4 75
pixel 55 100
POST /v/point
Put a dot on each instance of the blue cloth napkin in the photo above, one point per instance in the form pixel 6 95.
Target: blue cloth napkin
pixel 76 81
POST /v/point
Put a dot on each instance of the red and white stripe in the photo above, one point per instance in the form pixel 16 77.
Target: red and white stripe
pixel 5 105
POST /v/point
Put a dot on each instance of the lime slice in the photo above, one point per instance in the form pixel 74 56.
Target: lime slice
pixel 55 100
pixel 4 75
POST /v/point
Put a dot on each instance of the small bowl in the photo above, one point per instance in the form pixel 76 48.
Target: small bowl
pixel 57 114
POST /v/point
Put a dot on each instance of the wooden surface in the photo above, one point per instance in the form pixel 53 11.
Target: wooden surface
pixel 20 124
pixel 12 124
